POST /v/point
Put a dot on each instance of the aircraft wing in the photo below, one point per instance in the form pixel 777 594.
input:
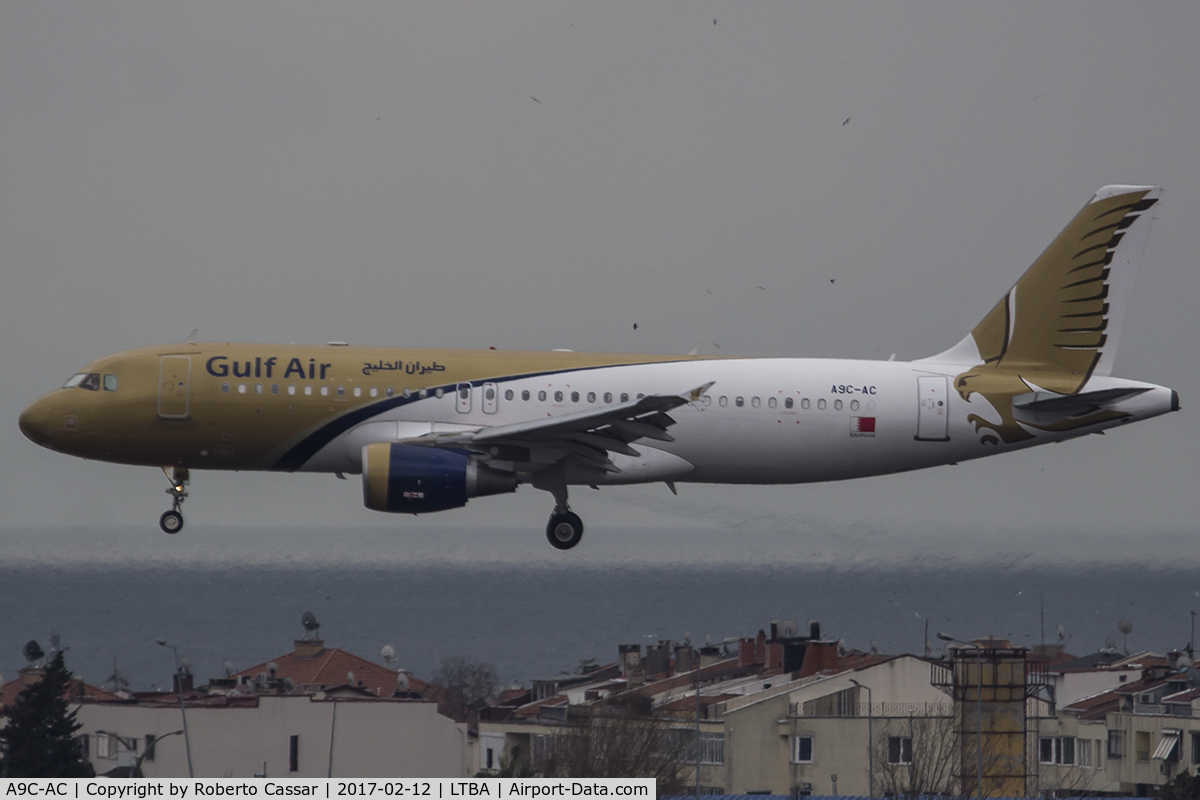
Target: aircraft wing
pixel 588 436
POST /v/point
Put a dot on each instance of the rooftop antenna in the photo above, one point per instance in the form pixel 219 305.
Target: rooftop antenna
pixel 311 626
pixel 402 682
pixel 228 667
pixel 1126 628
pixel 32 652
pixel 350 678
pixel 119 683
pixel 1042 612
pixel 1110 644
pixel 928 650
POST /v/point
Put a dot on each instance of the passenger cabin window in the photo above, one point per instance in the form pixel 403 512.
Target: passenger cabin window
pixel 624 397
pixel 358 391
pixel 308 390
pixel 608 397
pixel 508 394
pixel 787 402
pixel 821 404
pixel 110 383
pixel 574 397
pixel 341 391
pixel 771 401
pixel 558 396
pixel 390 391
pixel 542 395
pixel 225 388
pixel 724 401
pixel 804 403
pixel 739 402
pixel 292 389
pixel 274 388
pixel 754 401
pixel 591 397
pixel 524 394
pixel 837 405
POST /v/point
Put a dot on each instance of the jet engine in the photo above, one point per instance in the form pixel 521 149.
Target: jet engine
pixel 408 479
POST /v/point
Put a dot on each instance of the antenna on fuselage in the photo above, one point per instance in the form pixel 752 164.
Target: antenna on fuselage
pixel 191 339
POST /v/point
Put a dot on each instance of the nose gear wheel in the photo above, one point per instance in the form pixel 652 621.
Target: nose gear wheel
pixel 172 521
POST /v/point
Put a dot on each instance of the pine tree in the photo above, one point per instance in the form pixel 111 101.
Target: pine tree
pixel 39 741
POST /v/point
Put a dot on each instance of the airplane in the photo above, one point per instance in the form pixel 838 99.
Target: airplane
pixel 430 429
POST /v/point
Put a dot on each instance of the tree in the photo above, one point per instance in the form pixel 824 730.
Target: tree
pixel 618 742
pixel 474 681
pixel 39 740
pixel 1183 787
pixel 927 765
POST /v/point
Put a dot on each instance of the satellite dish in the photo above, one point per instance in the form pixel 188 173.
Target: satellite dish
pixel 687 637
pixel 841 646
pixel 185 664
pixel 1125 627
pixel 350 678
pixel 389 654
pixel 309 621
pixel 402 681
pixel 228 665
pixel 289 684
pixel 1062 632
pixel 707 639
pixel 1183 663
pixel 32 651
pixel 789 629
pixel 272 668
pixel 874 647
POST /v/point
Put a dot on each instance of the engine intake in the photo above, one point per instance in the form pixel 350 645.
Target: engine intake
pixel 407 479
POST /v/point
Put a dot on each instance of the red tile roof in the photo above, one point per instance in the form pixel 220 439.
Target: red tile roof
pixel 76 690
pixel 330 668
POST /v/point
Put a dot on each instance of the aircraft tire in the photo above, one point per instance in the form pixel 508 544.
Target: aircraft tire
pixel 171 522
pixel 564 530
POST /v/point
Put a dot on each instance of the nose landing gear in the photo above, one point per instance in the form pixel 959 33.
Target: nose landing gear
pixel 172 521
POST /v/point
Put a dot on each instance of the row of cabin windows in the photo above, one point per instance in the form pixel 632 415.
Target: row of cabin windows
pixel 509 394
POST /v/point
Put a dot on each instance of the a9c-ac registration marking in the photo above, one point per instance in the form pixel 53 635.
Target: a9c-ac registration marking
pixel 845 388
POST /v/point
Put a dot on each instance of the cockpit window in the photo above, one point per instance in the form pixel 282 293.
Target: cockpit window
pixel 110 383
pixel 86 380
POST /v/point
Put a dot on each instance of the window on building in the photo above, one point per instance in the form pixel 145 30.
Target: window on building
pixel 85 745
pixel 294 754
pixel 1116 744
pixel 899 749
pixel 1083 749
pixel 712 748
pixel 488 759
pixel 106 745
pixel 1195 748
pixel 1141 745
pixel 802 749
pixel 150 739
pixel 1057 750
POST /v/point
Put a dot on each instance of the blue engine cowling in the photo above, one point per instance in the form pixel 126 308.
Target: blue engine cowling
pixel 407 479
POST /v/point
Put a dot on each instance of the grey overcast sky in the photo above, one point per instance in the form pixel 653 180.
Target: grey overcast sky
pixel 545 174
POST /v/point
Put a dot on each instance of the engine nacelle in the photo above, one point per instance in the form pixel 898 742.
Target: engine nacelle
pixel 408 479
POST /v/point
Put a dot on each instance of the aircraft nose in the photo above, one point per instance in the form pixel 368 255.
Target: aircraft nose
pixel 35 423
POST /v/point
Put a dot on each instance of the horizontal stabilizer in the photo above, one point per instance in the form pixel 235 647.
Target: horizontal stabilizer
pixel 1072 405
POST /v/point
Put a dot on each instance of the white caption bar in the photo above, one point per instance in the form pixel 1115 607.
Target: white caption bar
pixel 432 788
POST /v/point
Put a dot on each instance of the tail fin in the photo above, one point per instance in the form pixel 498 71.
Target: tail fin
pixel 1065 312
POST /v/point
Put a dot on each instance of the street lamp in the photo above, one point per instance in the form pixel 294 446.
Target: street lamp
pixel 137 765
pixel 182 711
pixel 870 738
pixel 945 637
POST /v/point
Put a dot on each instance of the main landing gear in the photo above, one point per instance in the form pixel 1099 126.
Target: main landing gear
pixel 172 521
pixel 565 528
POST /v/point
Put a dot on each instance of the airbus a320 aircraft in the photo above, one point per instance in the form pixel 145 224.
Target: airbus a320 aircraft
pixel 429 429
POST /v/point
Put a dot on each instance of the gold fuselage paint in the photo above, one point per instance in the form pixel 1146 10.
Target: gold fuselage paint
pixel 253 406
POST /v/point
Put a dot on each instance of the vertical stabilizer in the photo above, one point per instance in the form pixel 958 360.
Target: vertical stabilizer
pixel 1065 312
